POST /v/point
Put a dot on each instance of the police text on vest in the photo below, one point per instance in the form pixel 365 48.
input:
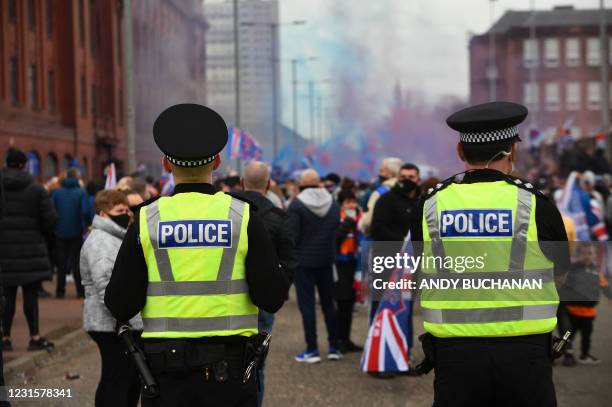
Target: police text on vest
pixel 476 223
pixel 194 233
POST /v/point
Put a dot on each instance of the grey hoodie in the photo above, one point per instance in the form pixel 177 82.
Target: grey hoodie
pixel 97 260
pixel 317 200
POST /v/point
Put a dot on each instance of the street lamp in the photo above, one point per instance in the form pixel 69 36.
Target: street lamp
pixel 294 80
pixel 275 59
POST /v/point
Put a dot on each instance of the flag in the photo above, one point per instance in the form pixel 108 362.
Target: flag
pixel 390 335
pixel 570 203
pixel 535 137
pixel 243 145
pixel 111 176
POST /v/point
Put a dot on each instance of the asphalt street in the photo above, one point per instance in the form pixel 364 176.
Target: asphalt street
pixel 329 383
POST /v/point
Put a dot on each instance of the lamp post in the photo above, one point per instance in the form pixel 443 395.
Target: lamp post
pixel 274 38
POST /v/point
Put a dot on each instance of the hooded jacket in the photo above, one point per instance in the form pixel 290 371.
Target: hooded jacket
pixel 98 256
pixel 26 225
pixel 72 204
pixel 314 218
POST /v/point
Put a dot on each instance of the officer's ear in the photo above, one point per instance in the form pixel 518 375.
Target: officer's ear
pixel 460 152
pixel 166 165
pixel 217 162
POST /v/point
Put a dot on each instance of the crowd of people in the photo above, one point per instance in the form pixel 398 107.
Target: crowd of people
pixel 317 224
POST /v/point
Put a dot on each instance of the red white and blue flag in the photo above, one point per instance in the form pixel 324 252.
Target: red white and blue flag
pixel 390 335
pixel 243 145
pixel 111 176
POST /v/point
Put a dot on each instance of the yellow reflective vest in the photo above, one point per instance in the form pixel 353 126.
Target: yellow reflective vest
pixel 195 247
pixel 495 220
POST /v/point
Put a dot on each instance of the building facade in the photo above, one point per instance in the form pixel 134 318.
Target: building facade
pixel 556 73
pixel 169 38
pixel 258 46
pixel 60 84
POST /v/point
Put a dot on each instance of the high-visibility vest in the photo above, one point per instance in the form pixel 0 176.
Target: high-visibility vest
pixel 496 218
pixel 195 247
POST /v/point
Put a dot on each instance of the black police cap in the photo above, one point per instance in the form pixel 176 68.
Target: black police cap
pixel 488 122
pixel 190 135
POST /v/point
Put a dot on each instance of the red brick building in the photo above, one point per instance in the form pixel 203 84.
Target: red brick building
pixel 169 65
pixel 60 83
pixel 565 57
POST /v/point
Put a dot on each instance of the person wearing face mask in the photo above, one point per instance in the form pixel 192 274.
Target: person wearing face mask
pixel 491 347
pixel 119 383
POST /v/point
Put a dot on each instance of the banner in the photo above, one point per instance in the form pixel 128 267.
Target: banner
pixel 243 145
pixel 111 176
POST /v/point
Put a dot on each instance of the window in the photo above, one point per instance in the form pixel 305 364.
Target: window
pixel 593 57
pixel 67 162
pixel 81 23
pixel 593 95
pixel 530 95
pixel 572 51
pixel 94 100
pixel 51 90
pixel 530 53
pixel 50 167
pixel 83 96
pixel 551 52
pixel 14 70
pixel 12 11
pixel 49 18
pixel 572 96
pixel 33 85
pixel 31 14
pixel 551 92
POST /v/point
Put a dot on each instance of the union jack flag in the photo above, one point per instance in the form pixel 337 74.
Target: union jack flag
pixel 390 335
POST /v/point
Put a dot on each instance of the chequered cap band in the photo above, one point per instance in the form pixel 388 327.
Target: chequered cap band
pixel 488 136
pixel 192 163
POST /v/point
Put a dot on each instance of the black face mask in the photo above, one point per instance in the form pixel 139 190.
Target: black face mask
pixel 407 186
pixel 122 220
pixel 382 179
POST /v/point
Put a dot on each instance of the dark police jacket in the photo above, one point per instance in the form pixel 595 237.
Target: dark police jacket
pixel 127 289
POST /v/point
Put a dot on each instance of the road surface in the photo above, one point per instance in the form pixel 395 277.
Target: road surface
pixel 332 383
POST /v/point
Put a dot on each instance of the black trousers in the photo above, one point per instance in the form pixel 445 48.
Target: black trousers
pixel 30 307
pixel 585 327
pixel 345 298
pixel 183 384
pixel 68 253
pixel 119 384
pixel 306 279
pixel 500 372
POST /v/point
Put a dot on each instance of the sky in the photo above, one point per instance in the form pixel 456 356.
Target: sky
pixel 421 44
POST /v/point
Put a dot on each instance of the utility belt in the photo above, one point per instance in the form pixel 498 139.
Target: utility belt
pixel 551 346
pixel 217 361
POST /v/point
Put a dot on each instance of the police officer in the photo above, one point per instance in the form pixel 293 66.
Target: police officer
pixel 198 265
pixel 491 347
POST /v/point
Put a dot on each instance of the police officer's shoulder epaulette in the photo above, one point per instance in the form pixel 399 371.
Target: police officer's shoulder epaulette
pixel 526 185
pixel 136 208
pixel 439 187
pixel 243 199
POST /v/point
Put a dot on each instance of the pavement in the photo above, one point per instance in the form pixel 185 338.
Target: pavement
pixel 325 384
pixel 58 317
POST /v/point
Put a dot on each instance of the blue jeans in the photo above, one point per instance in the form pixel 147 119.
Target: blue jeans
pixel 306 279
pixel 265 322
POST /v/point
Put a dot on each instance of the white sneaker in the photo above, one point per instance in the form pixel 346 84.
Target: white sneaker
pixel 588 360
